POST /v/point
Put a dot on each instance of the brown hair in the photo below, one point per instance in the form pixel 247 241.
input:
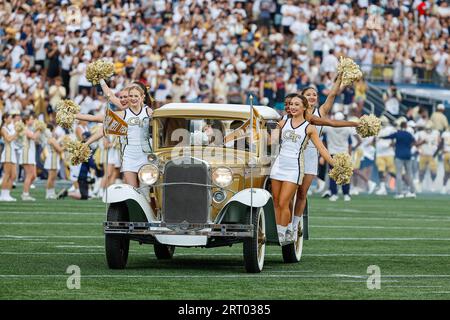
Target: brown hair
pixel 304 100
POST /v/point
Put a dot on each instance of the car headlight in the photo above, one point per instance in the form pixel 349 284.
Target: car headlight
pixel 148 174
pixel 222 177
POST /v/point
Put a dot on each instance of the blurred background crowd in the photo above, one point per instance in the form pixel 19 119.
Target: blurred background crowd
pixel 221 51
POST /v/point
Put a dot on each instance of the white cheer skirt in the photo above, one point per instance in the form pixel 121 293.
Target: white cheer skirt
pixel 133 158
pixel 114 157
pixel 288 169
pixel 311 161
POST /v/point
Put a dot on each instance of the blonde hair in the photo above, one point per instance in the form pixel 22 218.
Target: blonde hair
pixel 135 87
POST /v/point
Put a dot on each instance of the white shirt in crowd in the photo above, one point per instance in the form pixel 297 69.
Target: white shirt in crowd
pixel 338 139
pixel 289 13
pixel 330 63
pixel 86 103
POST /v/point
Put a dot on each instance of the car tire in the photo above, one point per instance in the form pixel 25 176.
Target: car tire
pixel 117 245
pixel 254 248
pixel 163 251
pixel 292 253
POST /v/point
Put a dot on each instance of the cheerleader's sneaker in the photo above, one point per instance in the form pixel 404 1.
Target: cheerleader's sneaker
pixel 8 199
pixel 32 186
pixel 399 196
pixel 51 197
pixel 347 198
pixel 27 197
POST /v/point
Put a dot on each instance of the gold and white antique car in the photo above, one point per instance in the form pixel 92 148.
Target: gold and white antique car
pixel 206 185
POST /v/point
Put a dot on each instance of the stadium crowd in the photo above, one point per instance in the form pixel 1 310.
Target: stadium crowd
pixel 221 51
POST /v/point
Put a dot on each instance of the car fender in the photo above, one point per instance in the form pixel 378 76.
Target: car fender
pixel 236 210
pixel 138 206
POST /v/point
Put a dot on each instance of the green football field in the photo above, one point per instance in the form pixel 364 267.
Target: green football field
pixel 409 240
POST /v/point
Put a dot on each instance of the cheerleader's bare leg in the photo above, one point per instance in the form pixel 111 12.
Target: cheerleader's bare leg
pixel 30 175
pixel 131 178
pixel 302 193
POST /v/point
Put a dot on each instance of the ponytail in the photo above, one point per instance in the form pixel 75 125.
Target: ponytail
pixel 148 99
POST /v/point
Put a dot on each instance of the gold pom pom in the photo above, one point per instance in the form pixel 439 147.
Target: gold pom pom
pixel 19 126
pixel 342 169
pixel 39 125
pixel 68 106
pixel 78 151
pixel 369 126
pixel 65 113
pixel 350 71
pixel 97 70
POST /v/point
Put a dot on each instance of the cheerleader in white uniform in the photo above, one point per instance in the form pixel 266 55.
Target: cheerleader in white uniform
pixel 8 157
pixel 52 162
pixel 133 157
pixel 317 116
pixel 28 156
pixel 289 167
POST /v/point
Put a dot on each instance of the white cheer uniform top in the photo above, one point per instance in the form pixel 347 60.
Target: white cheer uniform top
pixel 293 140
pixel 135 126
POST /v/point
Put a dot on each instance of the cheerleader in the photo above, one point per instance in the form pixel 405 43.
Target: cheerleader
pixel 317 116
pixel 8 156
pixel 52 162
pixel 28 156
pixel 133 157
pixel 289 168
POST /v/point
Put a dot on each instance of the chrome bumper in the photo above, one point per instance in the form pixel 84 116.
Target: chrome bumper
pixel 157 228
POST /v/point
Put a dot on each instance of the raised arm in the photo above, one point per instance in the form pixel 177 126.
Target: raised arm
pixel 314 136
pixel 335 89
pixel 318 121
pixel 91 118
pixel 109 94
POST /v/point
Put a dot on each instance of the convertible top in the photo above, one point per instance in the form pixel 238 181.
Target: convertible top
pixel 232 111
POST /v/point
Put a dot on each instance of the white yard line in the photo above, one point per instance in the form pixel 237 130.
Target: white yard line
pixel 263 275
pixel 8 236
pixel 421 218
pixel 53 223
pixel 377 227
pixel 388 286
pixel 68 213
pixel 76 246
pixel 135 253
pixel 379 239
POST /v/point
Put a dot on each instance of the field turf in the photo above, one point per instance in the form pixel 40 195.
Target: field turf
pixel 409 240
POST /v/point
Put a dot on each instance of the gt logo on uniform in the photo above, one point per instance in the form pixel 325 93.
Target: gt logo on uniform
pixel 135 121
pixel 290 135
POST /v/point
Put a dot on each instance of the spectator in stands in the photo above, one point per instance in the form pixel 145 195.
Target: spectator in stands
pixel 392 98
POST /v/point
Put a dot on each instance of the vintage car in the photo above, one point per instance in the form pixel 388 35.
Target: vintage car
pixel 206 185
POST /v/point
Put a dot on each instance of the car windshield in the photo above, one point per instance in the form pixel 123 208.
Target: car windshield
pixel 183 132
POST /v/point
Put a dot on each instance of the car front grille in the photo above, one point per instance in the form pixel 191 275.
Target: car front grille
pixel 183 199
